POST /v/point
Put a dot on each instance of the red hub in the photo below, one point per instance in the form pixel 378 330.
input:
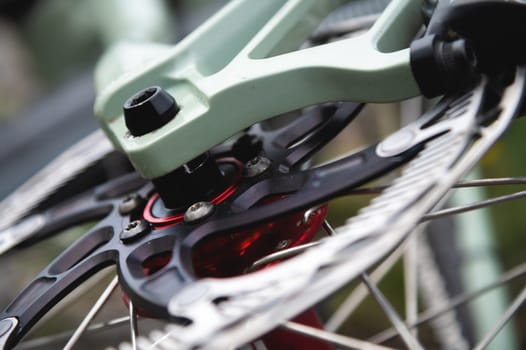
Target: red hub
pixel 233 254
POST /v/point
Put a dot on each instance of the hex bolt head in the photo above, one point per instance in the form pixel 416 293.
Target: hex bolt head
pixel 131 203
pixel 198 212
pixel 134 230
pixel 149 110
pixel 256 166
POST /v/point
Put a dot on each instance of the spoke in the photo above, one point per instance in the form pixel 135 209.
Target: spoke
pixel 360 292
pixel 282 254
pixel 287 253
pixel 116 322
pixel 44 341
pixel 163 340
pixel 461 184
pixel 328 228
pixel 502 322
pixel 336 339
pixel 474 206
pixel 400 326
pixel 431 314
pixel 134 329
pixel 521 180
pixel 92 313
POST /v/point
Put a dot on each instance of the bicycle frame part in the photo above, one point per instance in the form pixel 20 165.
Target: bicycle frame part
pixel 236 69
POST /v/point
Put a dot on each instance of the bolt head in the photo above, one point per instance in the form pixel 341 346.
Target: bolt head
pixel 256 166
pixel 130 204
pixel 134 230
pixel 282 244
pixel 149 110
pixel 399 142
pixel 198 212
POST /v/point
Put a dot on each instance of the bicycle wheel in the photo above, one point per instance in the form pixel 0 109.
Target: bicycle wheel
pixel 230 311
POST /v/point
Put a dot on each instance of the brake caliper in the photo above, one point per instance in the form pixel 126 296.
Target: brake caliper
pixel 465 37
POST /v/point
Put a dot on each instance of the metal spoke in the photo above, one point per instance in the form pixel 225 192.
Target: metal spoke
pixel 502 322
pixel 431 314
pixel 92 313
pixel 341 341
pixel 354 300
pixel 287 253
pixel 328 228
pixel 282 254
pixel 474 206
pixel 134 329
pixel 103 326
pixel 520 180
pixel 116 322
pixel 400 326
pixel 461 184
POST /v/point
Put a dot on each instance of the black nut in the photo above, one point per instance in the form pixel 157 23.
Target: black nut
pixel 149 110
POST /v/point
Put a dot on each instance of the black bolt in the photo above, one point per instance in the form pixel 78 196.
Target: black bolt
pixel 149 110
pixel 134 230
pixel 247 147
pixel 131 204
pixel 256 166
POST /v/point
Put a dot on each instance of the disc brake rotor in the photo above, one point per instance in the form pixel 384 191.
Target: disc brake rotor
pixel 230 312
pixel 165 257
